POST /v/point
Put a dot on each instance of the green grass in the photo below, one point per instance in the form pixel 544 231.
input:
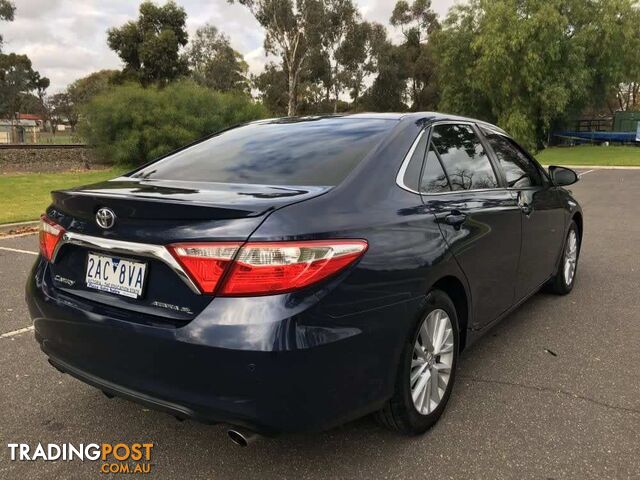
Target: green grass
pixel 587 155
pixel 25 196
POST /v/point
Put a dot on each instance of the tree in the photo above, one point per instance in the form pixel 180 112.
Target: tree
pixel 84 89
pixel 627 97
pixel 65 106
pixel 30 103
pixel 63 109
pixel 318 72
pixel 291 33
pixel 215 63
pixel 150 47
pixel 311 92
pixel 388 91
pixel 417 21
pixel 356 57
pixel 340 17
pixel 40 85
pixel 131 125
pixel 615 61
pixel 352 56
pixel 455 57
pixel 17 78
pixel 529 64
pixel 416 18
pixel 272 84
pixel 7 10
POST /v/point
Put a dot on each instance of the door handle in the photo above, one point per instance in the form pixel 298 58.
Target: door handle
pixel 455 219
pixel 525 206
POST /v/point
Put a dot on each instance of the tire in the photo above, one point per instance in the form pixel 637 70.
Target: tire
pixel 401 413
pixel 562 283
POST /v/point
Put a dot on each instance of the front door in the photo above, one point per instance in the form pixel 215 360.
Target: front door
pixel 542 214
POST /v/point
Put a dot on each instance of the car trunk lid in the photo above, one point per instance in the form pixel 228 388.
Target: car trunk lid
pixel 148 216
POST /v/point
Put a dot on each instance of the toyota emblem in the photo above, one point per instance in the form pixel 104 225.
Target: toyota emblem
pixel 105 218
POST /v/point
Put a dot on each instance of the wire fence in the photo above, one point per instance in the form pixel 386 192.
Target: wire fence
pixel 12 135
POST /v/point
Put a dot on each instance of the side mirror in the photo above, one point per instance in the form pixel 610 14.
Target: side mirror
pixel 563 177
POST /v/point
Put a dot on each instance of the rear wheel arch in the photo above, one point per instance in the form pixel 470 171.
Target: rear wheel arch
pixel 454 288
pixel 403 412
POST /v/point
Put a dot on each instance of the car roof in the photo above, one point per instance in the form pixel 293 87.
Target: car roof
pixel 430 117
pixel 425 117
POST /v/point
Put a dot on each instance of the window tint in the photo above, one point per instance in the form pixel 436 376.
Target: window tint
pixel 319 151
pixel 434 180
pixel 412 174
pixel 463 157
pixel 520 172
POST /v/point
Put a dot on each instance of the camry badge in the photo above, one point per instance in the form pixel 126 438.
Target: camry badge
pixel 105 218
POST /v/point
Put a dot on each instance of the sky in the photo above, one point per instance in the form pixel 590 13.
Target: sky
pixel 67 39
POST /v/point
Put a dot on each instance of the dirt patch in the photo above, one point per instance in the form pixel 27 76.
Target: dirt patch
pixel 25 230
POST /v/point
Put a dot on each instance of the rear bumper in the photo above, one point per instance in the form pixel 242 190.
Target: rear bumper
pixel 113 389
pixel 270 364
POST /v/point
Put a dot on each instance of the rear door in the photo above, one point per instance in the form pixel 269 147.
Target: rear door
pixel 541 211
pixel 479 218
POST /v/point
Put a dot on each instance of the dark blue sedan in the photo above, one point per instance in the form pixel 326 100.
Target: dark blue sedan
pixel 293 274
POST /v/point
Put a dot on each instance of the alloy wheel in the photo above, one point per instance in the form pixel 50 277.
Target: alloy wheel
pixel 570 257
pixel 433 354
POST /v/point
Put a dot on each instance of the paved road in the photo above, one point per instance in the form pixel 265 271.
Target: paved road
pixel 517 411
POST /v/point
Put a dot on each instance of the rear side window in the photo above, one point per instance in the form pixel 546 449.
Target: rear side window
pixel 412 174
pixel 434 180
pixel 520 172
pixel 315 152
pixel 463 157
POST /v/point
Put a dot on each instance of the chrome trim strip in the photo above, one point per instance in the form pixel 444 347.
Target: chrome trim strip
pixel 462 192
pixel 158 252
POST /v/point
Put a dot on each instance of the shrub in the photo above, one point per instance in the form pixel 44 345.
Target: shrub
pixel 131 125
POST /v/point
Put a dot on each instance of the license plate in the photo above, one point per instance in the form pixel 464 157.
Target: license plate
pixel 115 275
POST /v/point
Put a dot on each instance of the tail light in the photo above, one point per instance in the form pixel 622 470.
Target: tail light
pixel 50 234
pixel 258 268
pixel 262 268
pixel 205 262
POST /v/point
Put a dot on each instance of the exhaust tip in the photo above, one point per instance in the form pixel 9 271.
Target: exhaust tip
pixel 241 438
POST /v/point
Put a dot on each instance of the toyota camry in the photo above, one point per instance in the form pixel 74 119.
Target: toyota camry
pixel 294 274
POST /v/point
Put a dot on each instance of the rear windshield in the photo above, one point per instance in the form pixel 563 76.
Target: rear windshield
pixel 319 151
